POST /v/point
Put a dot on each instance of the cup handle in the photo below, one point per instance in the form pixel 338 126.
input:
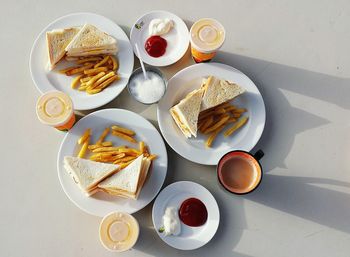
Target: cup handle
pixel 259 154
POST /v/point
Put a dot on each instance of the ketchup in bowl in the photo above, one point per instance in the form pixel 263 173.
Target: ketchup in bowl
pixel 155 46
pixel 193 212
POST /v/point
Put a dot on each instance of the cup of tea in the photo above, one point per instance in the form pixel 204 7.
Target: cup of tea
pixel 240 172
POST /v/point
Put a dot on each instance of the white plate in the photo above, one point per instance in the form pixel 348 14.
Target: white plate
pixel 177 38
pixel 46 80
pixel 194 149
pixel 190 237
pixel 101 203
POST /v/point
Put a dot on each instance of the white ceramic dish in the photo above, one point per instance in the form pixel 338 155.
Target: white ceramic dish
pixel 177 38
pixel 46 80
pixel 190 237
pixel 100 204
pixel 194 149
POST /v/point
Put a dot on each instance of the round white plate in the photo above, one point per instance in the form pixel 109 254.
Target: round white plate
pixel 177 38
pixel 190 237
pixel 194 149
pixel 100 204
pixel 46 80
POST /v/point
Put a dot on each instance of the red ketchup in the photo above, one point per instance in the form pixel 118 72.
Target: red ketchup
pixel 193 212
pixel 155 46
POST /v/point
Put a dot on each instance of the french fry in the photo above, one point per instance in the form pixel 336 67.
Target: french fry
pixel 126 131
pixel 208 122
pixel 93 91
pixel 78 70
pixel 94 70
pixel 76 80
pixel 213 136
pixel 141 146
pixel 82 87
pixel 236 126
pixel 146 151
pixel 91 82
pixel 107 143
pixel 103 136
pixel 130 151
pixel 85 136
pixel 90 59
pixel 102 62
pixel 230 120
pixel 125 159
pixel 108 149
pixel 86 79
pixel 152 157
pixel 241 110
pixel 109 81
pixel 71 58
pixel 115 63
pixel 230 108
pixel 63 71
pixel 84 148
pixel 236 115
pixel 125 164
pixel 123 136
pixel 222 120
pixel 100 80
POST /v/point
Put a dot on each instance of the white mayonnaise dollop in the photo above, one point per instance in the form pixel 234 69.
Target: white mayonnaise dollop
pixel 171 222
pixel 160 26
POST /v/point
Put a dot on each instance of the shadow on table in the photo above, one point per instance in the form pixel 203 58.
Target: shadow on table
pixel 305 197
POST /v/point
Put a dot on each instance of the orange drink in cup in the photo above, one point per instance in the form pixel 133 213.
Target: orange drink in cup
pixel 207 36
pixel 55 109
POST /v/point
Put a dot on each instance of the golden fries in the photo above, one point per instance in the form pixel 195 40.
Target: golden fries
pixel 103 61
pixel 84 148
pixel 89 59
pixel 152 157
pixel 85 136
pixel 212 121
pixel 115 63
pixel 213 135
pixel 103 136
pixel 105 151
pixel 126 131
pixel 222 120
pixel 75 81
pixel 94 70
pixel 236 126
pixel 95 73
pixel 106 83
pixel 123 136
pixel 78 70
pixel 141 146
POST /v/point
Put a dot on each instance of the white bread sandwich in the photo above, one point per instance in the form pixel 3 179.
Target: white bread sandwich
pixel 129 181
pixel 218 91
pixel 186 112
pixel 57 40
pixel 91 41
pixel 87 174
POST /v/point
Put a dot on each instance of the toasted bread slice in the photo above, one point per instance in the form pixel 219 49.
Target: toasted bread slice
pixel 57 41
pixel 218 91
pixel 91 41
pixel 186 112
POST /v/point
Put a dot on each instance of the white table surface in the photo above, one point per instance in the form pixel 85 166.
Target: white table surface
pixel 297 52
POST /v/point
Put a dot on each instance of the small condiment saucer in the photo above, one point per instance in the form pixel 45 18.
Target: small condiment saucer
pixel 190 237
pixel 177 38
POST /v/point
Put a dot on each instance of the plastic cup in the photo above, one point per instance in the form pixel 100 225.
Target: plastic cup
pixel 207 36
pixel 55 109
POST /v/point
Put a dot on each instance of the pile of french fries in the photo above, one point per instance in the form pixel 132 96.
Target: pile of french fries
pixel 106 151
pixel 94 73
pixel 212 121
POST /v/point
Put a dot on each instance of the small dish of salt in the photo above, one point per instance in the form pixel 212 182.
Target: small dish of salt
pixel 147 89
